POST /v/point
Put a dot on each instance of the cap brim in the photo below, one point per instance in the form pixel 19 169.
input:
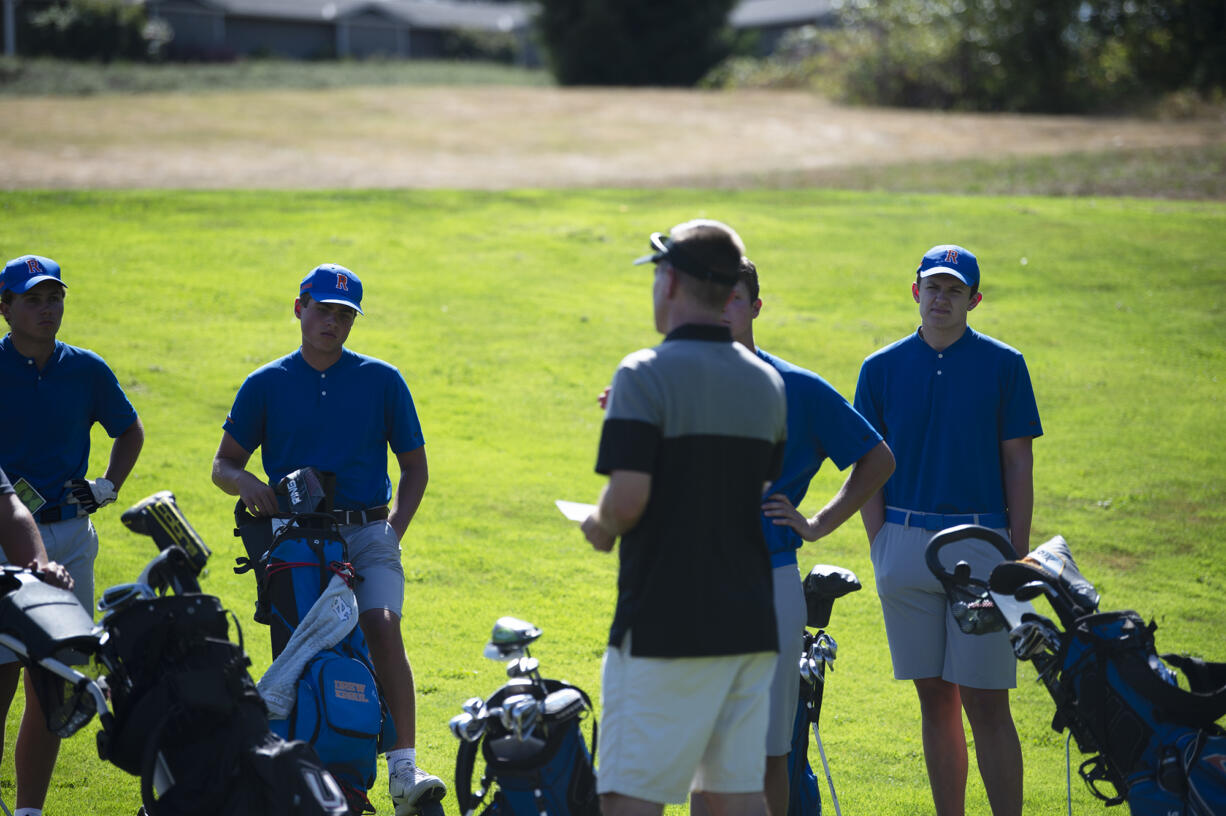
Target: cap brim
pixel 35 281
pixel 659 243
pixel 342 302
pixel 943 270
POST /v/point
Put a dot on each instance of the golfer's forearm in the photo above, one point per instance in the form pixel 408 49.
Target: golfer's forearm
pixel 1019 493
pixel 623 501
pixel 867 476
pixel 124 453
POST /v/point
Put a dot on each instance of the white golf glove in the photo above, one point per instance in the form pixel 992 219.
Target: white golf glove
pixel 91 494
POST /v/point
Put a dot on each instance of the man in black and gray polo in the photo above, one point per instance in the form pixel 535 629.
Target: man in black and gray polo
pixel 693 433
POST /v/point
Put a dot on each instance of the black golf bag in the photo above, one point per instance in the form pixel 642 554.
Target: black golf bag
pixel 528 735
pixel 1156 745
pixel 185 718
pixel 338 706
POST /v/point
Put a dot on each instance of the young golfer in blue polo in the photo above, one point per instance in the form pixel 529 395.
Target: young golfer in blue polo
pixel 957 409
pixel 54 393
pixel 327 407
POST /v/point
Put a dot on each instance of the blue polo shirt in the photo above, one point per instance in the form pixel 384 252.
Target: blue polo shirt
pixel 821 424
pixel 47 415
pixel 944 415
pixel 340 420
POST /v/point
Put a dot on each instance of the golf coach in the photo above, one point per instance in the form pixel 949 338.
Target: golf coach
pixel 694 432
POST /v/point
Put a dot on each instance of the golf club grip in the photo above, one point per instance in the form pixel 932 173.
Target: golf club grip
pixel 964 532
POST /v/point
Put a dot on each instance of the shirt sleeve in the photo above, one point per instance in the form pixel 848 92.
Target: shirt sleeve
pixel 630 436
pixel 246 420
pixel 867 401
pixel 845 435
pixel 1019 411
pixel 403 427
pixel 113 409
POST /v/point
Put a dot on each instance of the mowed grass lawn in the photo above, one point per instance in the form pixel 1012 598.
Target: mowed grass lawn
pixel 507 314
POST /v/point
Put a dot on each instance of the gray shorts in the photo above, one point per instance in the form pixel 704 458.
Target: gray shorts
pixel 73 543
pixel 374 552
pixel 924 638
pixel 790 617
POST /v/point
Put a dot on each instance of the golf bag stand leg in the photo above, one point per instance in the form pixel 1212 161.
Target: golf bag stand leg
pixel 834 797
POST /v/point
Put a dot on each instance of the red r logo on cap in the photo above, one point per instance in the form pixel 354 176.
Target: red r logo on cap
pixel 342 283
pixel 34 267
pixel 951 256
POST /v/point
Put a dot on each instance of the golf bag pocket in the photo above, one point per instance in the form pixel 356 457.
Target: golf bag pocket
pixel 558 780
pixel 338 711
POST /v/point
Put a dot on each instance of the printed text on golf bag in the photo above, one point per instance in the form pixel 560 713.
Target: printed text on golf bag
pixel 1158 745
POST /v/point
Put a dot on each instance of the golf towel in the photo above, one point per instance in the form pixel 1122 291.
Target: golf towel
pixel 330 619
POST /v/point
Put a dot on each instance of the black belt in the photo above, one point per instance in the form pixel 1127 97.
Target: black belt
pixel 360 516
pixel 50 515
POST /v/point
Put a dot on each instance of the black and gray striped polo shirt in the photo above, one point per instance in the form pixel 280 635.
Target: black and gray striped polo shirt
pixel 707 420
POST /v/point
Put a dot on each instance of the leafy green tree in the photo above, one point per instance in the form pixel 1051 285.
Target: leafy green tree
pixel 634 42
pixel 1025 55
pixel 100 30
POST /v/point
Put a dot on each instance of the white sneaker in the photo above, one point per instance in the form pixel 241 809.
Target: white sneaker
pixel 411 787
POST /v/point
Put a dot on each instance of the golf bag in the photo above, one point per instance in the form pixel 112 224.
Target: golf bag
pixel 182 711
pixel 187 717
pixel 549 772
pixel 804 794
pixel 822 586
pixel 527 732
pixel 1155 745
pixel 321 687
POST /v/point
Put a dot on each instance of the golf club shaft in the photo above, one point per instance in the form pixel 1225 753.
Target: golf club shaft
pixel 834 797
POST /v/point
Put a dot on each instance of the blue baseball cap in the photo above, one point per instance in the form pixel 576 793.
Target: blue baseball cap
pixel 333 283
pixel 20 274
pixel 950 259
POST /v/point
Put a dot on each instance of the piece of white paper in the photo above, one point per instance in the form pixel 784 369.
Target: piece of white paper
pixel 575 511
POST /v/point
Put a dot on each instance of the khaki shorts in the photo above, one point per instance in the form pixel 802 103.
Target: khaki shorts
pixel 924 638
pixel 374 552
pixel 790 615
pixel 672 725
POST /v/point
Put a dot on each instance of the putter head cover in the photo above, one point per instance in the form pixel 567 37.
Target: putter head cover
pixel 1053 564
pixel 160 518
pixel 509 638
pixel 822 585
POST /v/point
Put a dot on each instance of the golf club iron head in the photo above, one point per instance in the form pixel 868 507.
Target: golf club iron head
pixel 518 714
pixel 474 706
pixel 1034 637
pixel 466 727
pixel 510 638
pixel 563 704
pixel 523 667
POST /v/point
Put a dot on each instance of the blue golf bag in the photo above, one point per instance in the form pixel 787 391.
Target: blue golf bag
pixel 338 706
pixel 527 732
pixel 1155 745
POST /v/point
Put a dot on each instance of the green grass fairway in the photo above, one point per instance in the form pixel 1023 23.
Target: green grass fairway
pixel 507 314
